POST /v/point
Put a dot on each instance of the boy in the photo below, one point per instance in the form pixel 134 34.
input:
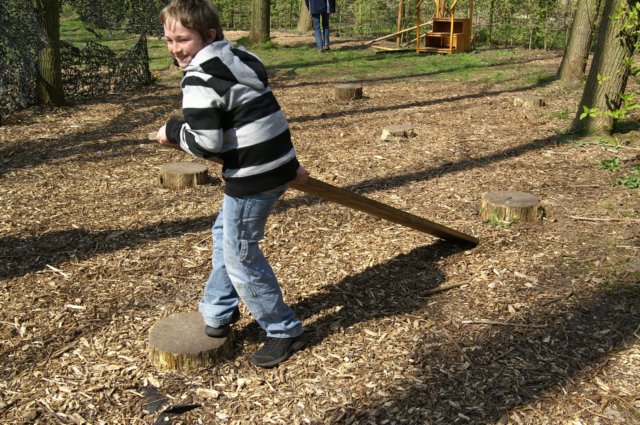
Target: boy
pixel 230 112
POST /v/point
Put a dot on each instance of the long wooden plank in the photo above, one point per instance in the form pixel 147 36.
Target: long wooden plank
pixel 384 37
pixel 361 203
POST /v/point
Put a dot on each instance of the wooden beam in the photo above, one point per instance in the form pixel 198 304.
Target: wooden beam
pixel 384 211
pixel 406 43
pixel 395 33
pixel 400 13
pixel 378 209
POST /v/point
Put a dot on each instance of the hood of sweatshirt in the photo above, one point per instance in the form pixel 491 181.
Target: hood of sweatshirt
pixel 233 65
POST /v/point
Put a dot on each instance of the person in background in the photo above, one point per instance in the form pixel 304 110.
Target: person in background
pixel 231 113
pixel 320 11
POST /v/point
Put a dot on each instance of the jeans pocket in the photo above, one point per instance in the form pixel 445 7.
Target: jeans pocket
pixel 255 213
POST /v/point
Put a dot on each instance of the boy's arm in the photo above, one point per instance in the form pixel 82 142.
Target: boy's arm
pixel 200 131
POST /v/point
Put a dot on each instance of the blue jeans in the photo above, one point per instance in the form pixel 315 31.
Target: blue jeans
pixel 321 34
pixel 240 270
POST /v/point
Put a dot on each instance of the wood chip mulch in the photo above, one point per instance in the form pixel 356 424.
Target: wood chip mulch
pixel 540 325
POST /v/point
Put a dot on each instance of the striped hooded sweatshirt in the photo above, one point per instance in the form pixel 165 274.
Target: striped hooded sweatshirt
pixel 231 113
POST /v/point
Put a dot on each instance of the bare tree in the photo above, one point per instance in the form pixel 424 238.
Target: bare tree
pixel 610 69
pixel 49 78
pixel 260 21
pixel 574 62
pixel 304 20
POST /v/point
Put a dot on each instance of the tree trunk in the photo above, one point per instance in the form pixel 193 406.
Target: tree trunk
pixel 491 13
pixel 576 55
pixel 304 20
pixel 49 78
pixel 609 71
pixel 568 14
pixel 260 21
pixel 545 14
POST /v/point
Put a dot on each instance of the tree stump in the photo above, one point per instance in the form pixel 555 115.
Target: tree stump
pixel 349 91
pixel 178 343
pixel 400 131
pixel 183 175
pixel 511 207
pixel 529 101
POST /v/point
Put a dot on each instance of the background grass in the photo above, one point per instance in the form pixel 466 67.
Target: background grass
pixel 348 63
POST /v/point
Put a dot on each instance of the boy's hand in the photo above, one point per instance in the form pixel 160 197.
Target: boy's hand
pixel 161 135
pixel 301 176
pixel 161 138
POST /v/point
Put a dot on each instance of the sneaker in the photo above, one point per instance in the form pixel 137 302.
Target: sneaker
pixel 326 48
pixel 222 331
pixel 276 350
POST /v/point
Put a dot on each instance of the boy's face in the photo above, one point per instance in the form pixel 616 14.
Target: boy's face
pixel 183 43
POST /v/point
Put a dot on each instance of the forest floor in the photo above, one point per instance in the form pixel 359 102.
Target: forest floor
pixel 542 327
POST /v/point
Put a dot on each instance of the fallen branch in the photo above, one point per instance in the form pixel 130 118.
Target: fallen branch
pixel 444 288
pixel 564 297
pixel 626 220
pixel 60 272
pixel 455 344
pixel 49 411
pixel 497 323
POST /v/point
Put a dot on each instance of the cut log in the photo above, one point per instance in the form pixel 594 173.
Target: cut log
pixel 183 175
pixel 178 343
pixel 529 101
pixel 510 207
pixel 349 91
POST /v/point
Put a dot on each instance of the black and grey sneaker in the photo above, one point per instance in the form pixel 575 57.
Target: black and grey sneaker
pixel 276 350
pixel 222 331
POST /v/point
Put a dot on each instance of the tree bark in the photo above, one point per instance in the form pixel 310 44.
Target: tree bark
pixel 183 175
pixel 576 55
pixel 348 91
pixel 510 207
pixel 260 21
pixel 304 20
pixel 49 79
pixel 491 13
pixel 609 71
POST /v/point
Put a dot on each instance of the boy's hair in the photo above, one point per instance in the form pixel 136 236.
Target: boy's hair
pixel 198 15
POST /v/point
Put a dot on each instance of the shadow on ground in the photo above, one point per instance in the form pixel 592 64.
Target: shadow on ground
pixel 479 379
pixel 32 253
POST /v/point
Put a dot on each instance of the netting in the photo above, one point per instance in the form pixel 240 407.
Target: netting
pixel 19 45
pixel 90 71
pixel 94 70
